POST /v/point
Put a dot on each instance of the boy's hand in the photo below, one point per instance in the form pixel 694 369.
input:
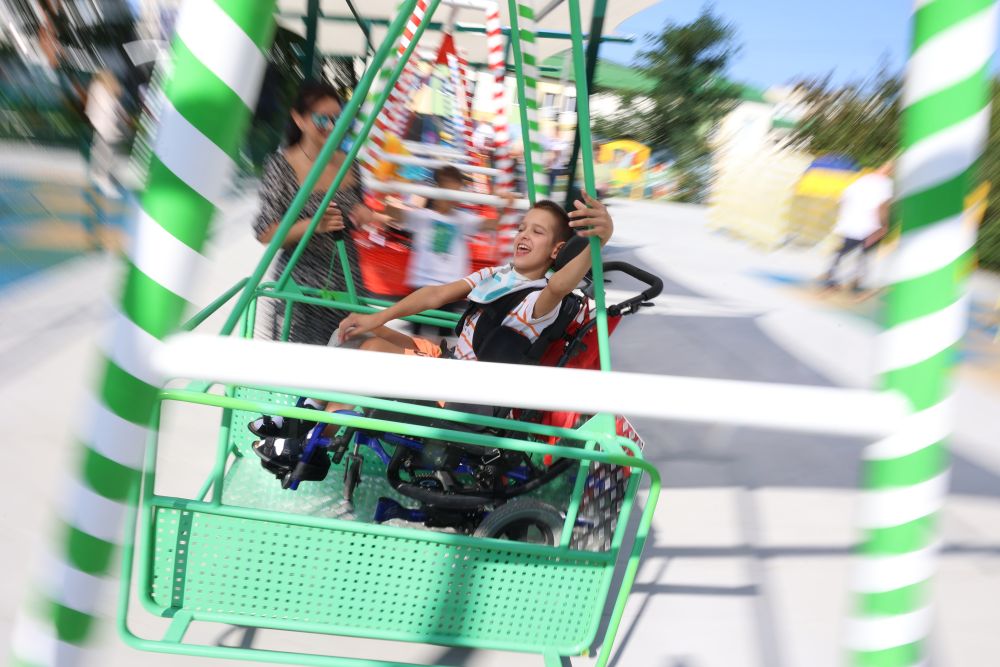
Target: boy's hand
pixel 591 219
pixel 356 324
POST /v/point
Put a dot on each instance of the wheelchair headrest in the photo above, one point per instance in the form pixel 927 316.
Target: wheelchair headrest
pixel 570 249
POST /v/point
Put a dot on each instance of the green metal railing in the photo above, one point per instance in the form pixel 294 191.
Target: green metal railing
pixel 613 450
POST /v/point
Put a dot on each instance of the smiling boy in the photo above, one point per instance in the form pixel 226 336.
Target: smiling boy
pixel 545 229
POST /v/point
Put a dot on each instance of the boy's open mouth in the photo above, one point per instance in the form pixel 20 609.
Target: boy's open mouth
pixel 521 249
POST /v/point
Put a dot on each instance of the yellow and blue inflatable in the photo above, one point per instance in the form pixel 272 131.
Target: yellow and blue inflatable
pixel 813 209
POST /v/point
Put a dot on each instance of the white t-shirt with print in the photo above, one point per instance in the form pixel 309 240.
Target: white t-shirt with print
pixel 440 252
pixel 520 318
pixel 859 204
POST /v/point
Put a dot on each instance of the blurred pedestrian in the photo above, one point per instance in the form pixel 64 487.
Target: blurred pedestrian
pixel 555 163
pixel 105 114
pixel 862 221
pixel 313 116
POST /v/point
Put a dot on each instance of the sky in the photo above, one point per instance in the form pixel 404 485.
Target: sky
pixel 786 40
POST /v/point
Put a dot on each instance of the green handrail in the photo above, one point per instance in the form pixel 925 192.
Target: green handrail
pixel 583 123
pixel 210 309
pixel 332 144
pixel 617 454
pixel 350 307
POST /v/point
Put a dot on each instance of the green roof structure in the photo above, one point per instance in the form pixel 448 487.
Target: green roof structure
pixel 623 78
pixel 608 76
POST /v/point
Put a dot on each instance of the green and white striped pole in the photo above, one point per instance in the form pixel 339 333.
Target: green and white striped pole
pixel 945 126
pixel 523 29
pixel 218 62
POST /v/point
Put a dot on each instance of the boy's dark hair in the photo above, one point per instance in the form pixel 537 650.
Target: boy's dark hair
pixel 563 231
pixel 310 93
pixel 448 173
pixel 445 173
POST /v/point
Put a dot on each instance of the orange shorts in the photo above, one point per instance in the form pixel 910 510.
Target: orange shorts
pixel 425 348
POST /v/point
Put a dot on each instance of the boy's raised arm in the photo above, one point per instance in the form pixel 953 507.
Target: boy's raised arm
pixel 589 219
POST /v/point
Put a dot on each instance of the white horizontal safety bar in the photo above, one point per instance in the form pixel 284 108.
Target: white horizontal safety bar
pixel 310 367
pixel 464 196
pixel 433 162
pixel 437 151
pixel 466 4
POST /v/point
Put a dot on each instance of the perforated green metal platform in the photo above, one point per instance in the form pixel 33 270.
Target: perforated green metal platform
pixel 426 587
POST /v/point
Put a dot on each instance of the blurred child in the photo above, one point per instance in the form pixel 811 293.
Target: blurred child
pixel 440 230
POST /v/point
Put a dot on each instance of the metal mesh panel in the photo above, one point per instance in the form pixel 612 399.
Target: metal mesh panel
pixel 603 495
pixel 400 588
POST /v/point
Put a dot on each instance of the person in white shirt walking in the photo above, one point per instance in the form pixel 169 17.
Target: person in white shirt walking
pixel 105 113
pixel 862 222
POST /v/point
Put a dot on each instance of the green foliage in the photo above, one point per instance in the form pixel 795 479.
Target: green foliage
pixel 989 171
pixel 860 120
pixel 688 62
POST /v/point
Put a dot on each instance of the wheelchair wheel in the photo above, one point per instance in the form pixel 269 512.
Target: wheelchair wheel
pixel 523 520
pixel 352 476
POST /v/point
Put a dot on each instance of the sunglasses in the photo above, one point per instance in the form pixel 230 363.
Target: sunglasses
pixel 324 121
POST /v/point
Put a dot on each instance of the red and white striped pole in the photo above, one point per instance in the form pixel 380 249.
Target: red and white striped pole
pixel 502 160
pixel 399 99
pixel 467 77
pixel 462 106
pixel 376 139
pixel 470 90
pixel 414 82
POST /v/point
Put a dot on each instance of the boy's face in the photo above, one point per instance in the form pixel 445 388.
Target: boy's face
pixel 535 246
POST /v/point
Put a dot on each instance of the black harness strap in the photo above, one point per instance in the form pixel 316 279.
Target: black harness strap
pixel 494 342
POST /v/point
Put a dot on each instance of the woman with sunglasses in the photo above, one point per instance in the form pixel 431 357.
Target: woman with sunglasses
pixel 313 116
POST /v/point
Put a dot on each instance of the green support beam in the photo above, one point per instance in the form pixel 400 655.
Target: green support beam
pixel 364 24
pixel 593 46
pixel 312 31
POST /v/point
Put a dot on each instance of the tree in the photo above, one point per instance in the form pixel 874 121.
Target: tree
pixel 860 120
pixel 989 171
pixel 688 62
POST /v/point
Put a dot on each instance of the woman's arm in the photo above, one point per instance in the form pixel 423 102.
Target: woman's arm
pixel 277 192
pixel 332 221
pixel 425 298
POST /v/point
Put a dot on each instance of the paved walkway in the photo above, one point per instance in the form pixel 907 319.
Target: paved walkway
pixel 749 557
